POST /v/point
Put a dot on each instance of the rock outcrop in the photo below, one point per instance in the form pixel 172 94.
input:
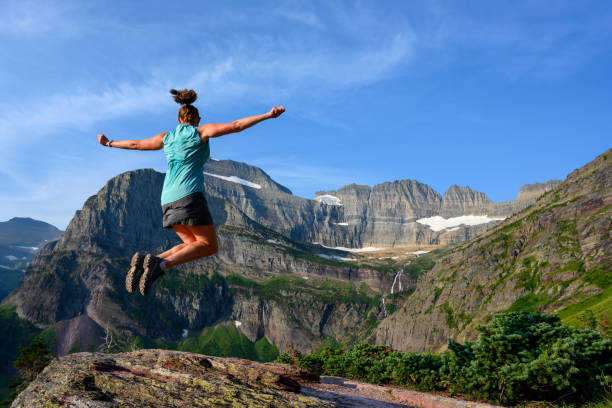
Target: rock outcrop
pixel 159 378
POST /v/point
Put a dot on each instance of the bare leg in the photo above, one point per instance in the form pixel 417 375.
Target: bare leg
pixel 205 244
pixel 184 234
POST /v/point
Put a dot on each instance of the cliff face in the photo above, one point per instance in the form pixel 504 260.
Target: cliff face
pixel 266 276
pixel 555 256
pixel 79 280
pixel 355 216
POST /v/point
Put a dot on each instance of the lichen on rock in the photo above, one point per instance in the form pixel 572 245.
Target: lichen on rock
pixel 162 378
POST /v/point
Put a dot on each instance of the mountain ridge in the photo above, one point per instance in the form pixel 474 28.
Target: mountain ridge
pixel 549 257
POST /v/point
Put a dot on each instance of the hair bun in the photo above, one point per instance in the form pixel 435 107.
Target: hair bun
pixel 184 97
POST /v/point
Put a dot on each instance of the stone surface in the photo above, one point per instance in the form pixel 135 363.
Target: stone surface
pixel 160 378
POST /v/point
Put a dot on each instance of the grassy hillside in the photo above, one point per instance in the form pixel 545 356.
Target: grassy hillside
pixel 555 256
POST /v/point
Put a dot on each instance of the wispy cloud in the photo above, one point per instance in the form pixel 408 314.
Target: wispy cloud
pixel 262 67
pixel 525 39
pixel 36 19
pixel 244 69
pixel 306 17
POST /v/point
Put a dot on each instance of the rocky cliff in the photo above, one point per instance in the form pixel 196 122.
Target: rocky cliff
pixel 355 216
pixel 291 293
pixel 266 280
pixel 554 256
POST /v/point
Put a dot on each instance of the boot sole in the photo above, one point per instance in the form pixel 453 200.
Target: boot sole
pixel 147 279
pixel 135 273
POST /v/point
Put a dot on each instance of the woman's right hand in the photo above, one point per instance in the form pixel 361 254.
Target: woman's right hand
pixel 103 140
pixel 276 111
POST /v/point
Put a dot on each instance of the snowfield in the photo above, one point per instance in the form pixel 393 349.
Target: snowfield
pixel 366 249
pixel 235 179
pixel 417 253
pixel 328 199
pixel 438 223
pixel 334 257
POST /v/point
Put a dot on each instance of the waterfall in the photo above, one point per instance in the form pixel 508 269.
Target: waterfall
pixel 384 306
pixel 398 278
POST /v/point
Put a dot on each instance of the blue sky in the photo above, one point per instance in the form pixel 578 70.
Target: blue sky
pixel 492 95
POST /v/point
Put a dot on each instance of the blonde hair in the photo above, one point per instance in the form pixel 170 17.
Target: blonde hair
pixel 188 113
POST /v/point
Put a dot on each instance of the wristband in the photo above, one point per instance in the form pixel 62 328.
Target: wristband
pixel 109 143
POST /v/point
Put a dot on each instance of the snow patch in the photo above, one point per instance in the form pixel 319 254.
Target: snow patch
pixel 4 267
pixel 213 159
pixel 272 241
pixel 365 249
pixel 328 199
pixel 305 277
pixel 235 179
pixel 237 323
pixel 341 223
pixel 417 253
pixel 185 333
pixel 11 257
pixel 452 229
pixel 438 223
pixel 337 258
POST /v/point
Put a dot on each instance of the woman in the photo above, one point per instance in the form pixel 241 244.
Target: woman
pixel 183 202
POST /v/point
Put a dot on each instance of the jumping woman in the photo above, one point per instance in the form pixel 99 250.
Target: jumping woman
pixel 183 203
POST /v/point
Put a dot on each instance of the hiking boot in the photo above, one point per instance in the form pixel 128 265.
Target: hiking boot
pixel 152 272
pixel 135 272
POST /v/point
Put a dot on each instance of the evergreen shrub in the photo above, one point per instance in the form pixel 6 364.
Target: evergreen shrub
pixel 519 357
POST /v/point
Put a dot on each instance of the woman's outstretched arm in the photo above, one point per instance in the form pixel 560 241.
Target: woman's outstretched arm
pixel 154 143
pixel 219 129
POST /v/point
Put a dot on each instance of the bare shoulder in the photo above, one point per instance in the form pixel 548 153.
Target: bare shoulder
pixel 209 130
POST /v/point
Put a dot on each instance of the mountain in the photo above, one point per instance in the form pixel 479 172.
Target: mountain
pixel 355 216
pixel 294 295
pixel 554 256
pixel 20 239
pixel 27 232
pixel 268 289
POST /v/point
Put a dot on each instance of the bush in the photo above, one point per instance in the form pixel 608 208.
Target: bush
pixel 524 356
pixel 519 357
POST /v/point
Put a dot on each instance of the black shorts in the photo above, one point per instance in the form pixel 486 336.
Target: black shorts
pixel 189 210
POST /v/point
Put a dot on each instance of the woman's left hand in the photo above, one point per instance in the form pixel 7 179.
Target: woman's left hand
pixel 103 140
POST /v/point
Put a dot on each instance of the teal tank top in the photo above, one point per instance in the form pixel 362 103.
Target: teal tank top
pixel 186 155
